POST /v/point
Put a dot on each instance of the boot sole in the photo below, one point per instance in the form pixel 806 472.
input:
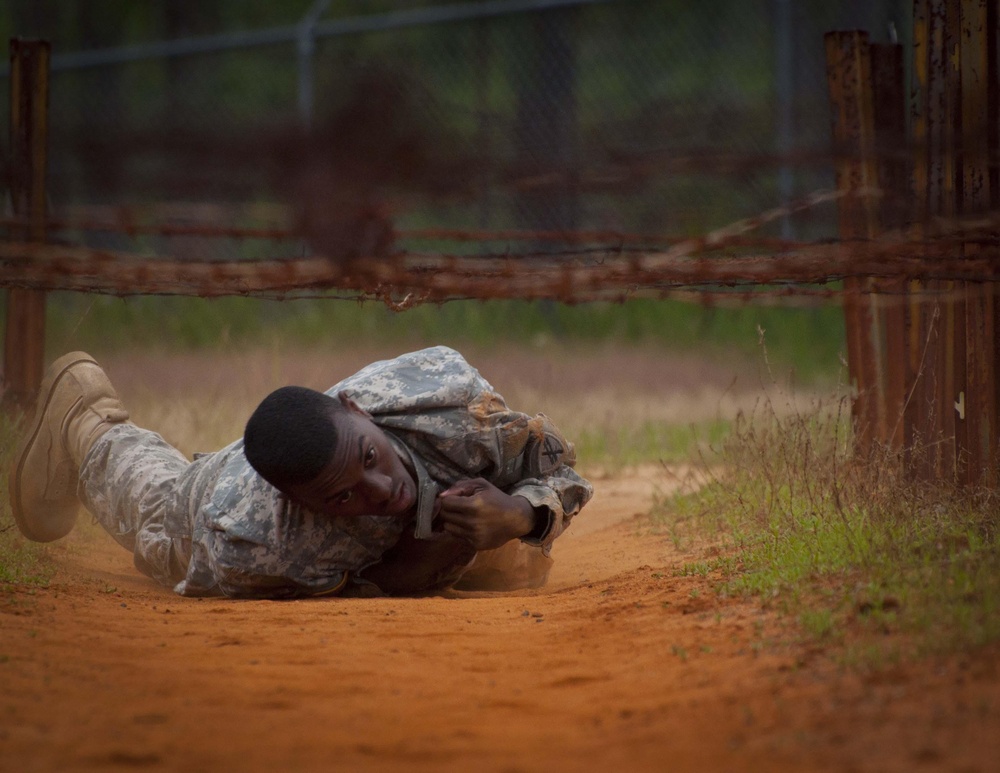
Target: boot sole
pixel 58 369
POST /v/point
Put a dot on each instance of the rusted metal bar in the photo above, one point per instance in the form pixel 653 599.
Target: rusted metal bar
pixel 217 231
pixel 977 443
pixel 894 211
pixel 849 78
pixel 946 168
pixel 946 174
pixel 934 320
pixel 913 411
pixel 893 161
pixel 24 341
pixel 993 164
pixel 567 276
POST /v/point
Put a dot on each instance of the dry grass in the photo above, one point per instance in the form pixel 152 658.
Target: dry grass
pixel 853 550
pixel 620 405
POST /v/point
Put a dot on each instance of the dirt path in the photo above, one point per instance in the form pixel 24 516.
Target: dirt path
pixel 617 665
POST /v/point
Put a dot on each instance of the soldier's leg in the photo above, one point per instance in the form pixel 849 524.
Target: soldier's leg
pixel 76 405
pixel 132 483
pixel 80 423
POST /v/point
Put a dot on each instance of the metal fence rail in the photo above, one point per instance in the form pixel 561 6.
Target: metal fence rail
pixel 564 149
pixel 626 115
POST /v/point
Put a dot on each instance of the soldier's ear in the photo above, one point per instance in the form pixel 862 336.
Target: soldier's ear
pixel 350 405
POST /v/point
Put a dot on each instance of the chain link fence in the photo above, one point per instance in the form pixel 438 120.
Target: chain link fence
pixel 666 118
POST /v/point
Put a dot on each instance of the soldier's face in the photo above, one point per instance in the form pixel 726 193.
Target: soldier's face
pixel 365 476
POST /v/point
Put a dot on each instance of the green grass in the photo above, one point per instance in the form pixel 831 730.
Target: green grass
pixel 852 551
pixel 810 341
pixel 21 562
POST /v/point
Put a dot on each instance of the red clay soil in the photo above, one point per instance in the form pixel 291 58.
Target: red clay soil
pixel 617 665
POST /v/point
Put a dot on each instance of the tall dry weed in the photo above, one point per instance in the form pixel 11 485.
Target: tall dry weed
pixel 813 524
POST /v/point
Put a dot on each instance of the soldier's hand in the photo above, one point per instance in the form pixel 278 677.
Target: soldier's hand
pixel 420 565
pixel 477 511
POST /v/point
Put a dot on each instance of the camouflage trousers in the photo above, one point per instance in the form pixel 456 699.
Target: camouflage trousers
pixel 145 494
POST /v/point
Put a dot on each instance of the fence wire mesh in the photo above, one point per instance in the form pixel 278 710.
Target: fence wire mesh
pixel 331 120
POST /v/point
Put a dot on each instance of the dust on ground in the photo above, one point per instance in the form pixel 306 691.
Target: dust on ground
pixel 619 663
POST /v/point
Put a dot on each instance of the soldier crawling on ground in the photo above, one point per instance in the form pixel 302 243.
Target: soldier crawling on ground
pixel 410 476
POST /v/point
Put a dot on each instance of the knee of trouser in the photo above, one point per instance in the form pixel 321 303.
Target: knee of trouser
pixel 163 559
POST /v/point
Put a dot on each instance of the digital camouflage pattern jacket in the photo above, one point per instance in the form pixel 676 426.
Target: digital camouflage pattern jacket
pixel 247 540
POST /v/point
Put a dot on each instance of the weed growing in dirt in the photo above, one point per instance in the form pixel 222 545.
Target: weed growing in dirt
pixel 853 550
pixel 21 562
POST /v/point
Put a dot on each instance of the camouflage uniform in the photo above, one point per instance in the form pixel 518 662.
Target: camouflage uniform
pixel 214 527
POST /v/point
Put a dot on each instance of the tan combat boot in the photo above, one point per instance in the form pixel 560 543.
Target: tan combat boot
pixel 76 405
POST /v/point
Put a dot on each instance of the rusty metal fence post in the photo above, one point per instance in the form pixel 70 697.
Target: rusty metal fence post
pixel 954 115
pixel 923 354
pixel 977 443
pixel 938 313
pixel 894 212
pixel 24 342
pixel 849 77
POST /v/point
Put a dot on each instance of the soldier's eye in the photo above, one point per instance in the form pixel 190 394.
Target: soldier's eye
pixel 370 457
pixel 344 498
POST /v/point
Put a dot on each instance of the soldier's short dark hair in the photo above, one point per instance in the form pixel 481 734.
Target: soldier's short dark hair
pixel 290 437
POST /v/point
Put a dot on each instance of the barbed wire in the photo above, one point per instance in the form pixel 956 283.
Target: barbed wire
pixel 613 266
pixel 287 233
